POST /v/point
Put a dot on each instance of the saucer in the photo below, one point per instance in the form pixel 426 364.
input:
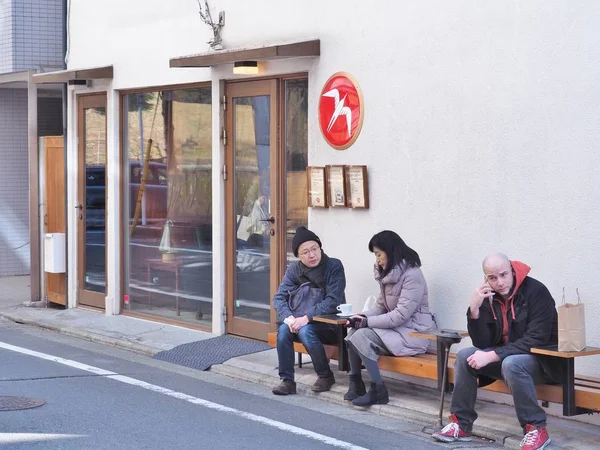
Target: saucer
pixel 342 315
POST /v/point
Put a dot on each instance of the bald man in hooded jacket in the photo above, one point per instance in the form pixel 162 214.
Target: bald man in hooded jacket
pixel 509 314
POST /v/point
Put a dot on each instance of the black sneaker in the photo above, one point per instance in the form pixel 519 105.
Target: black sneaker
pixel 286 387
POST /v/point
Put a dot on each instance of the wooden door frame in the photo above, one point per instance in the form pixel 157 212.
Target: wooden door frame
pixel 248 89
pixel 86 101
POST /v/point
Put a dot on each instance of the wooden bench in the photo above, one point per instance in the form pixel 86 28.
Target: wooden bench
pixel 421 366
pixel 578 394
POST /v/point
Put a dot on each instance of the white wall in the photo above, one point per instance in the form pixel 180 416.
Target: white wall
pixel 481 127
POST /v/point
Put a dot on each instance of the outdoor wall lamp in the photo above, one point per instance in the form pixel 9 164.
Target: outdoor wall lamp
pixel 245 67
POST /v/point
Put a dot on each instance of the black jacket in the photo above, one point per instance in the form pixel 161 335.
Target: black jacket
pixel 535 324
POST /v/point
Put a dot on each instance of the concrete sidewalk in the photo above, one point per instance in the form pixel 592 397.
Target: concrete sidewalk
pixel 129 333
pixel 408 400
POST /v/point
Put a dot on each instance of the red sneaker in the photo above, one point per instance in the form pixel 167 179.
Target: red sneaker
pixel 535 438
pixel 452 432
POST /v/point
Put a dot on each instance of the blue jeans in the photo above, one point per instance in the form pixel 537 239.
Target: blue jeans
pixel 312 336
pixel 520 373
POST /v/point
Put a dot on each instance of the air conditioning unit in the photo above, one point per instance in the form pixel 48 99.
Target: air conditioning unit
pixel 54 253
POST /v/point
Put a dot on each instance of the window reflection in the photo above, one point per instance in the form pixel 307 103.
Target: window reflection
pixel 296 158
pixel 252 165
pixel 95 199
pixel 168 172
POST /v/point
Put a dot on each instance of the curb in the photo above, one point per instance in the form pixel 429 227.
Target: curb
pixel 425 419
pixel 141 349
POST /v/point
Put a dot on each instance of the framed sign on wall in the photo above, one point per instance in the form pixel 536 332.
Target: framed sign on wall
pixel 317 187
pixel 357 187
pixel 336 185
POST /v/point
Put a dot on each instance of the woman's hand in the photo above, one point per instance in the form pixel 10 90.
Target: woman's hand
pixel 357 321
pixel 353 318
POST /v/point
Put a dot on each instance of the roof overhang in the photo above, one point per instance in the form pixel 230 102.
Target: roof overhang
pixel 215 58
pixel 14 77
pixel 66 76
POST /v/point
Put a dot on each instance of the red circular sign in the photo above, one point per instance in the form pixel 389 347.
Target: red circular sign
pixel 341 110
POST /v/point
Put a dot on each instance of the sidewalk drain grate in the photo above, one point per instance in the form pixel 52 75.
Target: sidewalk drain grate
pixel 19 403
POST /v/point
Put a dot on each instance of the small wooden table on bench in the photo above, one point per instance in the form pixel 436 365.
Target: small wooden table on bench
pixel 334 319
pixel 569 392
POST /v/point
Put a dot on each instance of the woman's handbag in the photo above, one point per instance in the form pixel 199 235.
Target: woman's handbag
pixel 370 302
pixel 302 299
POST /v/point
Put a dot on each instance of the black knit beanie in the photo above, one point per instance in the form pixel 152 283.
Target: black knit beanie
pixel 303 235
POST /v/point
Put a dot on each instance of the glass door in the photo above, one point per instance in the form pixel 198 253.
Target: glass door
pixel 91 207
pixel 255 234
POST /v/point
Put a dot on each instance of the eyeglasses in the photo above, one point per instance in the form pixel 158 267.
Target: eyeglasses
pixel 314 250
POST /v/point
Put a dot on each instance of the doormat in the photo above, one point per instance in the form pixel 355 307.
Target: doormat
pixel 203 354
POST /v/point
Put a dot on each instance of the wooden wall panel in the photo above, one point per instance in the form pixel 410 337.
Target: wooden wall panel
pixel 55 220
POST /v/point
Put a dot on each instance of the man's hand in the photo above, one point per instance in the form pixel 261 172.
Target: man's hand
pixel 481 293
pixel 299 323
pixel 290 321
pixel 480 359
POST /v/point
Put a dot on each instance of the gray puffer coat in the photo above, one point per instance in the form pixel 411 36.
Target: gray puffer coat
pixel 402 307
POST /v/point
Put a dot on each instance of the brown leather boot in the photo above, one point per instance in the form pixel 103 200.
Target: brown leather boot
pixel 286 387
pixel 323 384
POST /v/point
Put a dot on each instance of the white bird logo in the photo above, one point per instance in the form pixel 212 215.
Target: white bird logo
pixel 340 109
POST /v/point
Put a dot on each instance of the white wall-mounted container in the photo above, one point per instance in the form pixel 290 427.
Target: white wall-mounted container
pixel 54 253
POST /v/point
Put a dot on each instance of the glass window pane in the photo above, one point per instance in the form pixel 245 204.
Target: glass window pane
pixel 95 195
pixel 296 158
pixel 252 152
pixel 169 203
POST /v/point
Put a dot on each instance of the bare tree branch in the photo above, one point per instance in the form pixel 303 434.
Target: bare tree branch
pixel 216 43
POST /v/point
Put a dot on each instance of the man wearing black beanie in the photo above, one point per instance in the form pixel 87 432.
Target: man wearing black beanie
pixel 312 286
pixel 303 235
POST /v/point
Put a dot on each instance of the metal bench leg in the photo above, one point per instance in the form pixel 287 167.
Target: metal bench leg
pixel 442 364
pixel 568 385
pixel 299 360
pixel 443 347
pixel 443 382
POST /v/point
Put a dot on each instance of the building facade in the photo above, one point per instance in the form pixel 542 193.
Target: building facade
pixel 30 40
pixel 479 134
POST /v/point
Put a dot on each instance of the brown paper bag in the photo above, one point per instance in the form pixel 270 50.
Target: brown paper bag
pixel 571 326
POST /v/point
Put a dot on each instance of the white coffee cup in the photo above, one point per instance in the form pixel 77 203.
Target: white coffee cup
pixel 345 309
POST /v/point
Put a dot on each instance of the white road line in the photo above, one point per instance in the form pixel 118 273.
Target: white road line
pixel 66 362
pixel 21 438
pixel 185 397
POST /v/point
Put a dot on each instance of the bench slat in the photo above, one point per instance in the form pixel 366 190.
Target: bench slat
pixel 415 366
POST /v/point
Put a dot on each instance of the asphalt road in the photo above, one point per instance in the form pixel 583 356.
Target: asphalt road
pixel 98 397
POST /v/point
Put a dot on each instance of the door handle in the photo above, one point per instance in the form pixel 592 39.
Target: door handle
pixel 270 219
pixel 80 208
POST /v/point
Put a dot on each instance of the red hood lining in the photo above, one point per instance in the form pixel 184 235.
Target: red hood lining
pixel 521 270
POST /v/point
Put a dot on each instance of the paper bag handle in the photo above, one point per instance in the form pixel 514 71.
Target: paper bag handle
pixel 578 297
